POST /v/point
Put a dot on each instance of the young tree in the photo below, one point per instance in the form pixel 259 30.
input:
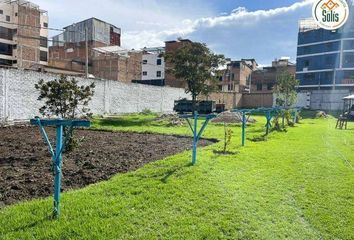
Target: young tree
pixel 286 89
pixel 286 96
pixel 65 99
pixel 196 64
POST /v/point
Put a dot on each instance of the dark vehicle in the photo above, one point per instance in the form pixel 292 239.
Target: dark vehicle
pixel 202 107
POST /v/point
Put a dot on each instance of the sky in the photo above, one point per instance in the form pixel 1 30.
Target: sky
pixel 260 29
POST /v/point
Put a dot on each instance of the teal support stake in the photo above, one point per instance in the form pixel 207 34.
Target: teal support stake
pixel 194 128
pixel 243 128
pixel 57 178
pixel 195 140
pixel 268 124
pixel 57 155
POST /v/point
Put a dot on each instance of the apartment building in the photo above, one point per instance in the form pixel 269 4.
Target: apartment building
pixel 236 76
pixel 153 66
pixel 264 80
pixel 23 35
pixel 117 63
pixel 325 59
pixel 170 79
pixel 69 48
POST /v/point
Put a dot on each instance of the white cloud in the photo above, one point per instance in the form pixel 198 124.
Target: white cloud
pixel 237 17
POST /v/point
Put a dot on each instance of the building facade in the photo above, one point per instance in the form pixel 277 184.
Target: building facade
pixel 69 48
pixel 237 75
pixel 23 35
pixel 325 59
pixel 170 79
pixel 116 63
pixel 264 80
pixel 153 66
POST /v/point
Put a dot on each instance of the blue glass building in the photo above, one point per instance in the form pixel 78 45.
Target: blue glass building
pixel 325 59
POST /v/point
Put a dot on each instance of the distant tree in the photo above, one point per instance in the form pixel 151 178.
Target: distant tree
pixel 196 64
pixel 65 99
pixel 285 89
pixel 286 96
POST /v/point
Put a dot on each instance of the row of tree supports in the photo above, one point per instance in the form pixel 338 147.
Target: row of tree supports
pixel 270 113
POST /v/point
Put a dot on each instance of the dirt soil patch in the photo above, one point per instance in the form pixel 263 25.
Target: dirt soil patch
pixel 25 164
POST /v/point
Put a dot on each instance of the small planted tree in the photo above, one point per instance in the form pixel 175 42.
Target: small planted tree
pixel 227 138
pixel 64 98
pixel 196 64
pixel 286 95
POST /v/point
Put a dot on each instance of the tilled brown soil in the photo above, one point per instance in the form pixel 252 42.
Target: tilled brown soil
pixel 25 164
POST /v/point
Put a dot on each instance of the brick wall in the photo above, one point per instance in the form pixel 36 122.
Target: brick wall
pixel 28 53
pixel 18 97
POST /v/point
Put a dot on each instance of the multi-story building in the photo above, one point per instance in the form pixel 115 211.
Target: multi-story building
pixel 153 66
pixel 116 63
pixel 170 79
pixel 69 48
pixel 264 80
pixel 325 59
pixel 237 75
pixel 23 35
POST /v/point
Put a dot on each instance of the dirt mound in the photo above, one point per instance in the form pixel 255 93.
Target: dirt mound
pixel 231 117
pixel 172 119
pixel 25 164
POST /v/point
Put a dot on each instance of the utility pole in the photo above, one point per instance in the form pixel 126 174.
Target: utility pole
pixel 86 45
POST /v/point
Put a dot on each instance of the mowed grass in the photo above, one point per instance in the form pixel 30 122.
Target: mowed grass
pixel 295 185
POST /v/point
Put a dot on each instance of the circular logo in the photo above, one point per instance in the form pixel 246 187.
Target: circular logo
pixel 330 14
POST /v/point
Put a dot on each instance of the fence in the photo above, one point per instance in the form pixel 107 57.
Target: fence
pixel 18 97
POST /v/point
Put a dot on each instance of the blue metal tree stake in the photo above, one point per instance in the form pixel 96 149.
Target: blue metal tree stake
pixel 197 134
pixel 59 146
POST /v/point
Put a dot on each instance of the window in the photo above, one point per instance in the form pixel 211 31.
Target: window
pixel 44 56
pixel 349 58
pixel 159 61
pixel 6 33
pixel 6 49
pixel 259 86
pixel 45 24
pixel 1 11
pixel 145 62
pixel 307 63
pixel 233 77
pixel 145 73
pixel 8 18
pixel 44 42
pixel 270 86
pixel 16 14
pixel 230 87
pixel 158 74
pixel 328 61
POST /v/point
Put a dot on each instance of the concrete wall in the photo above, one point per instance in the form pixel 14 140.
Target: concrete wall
pixel 330 100
pixel 231 100
pixel 18 97
pixel 256 100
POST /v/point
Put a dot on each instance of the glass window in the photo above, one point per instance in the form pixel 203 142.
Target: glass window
pixel 159 61
pixel 44 56
pixel 6 49
pixel 158 74
pixel 270 86
pixel 145 61
pixel 259 86
pixel 1 11
pixel 44 42
pixel 145 73
pixel 8 18
pixel 45 25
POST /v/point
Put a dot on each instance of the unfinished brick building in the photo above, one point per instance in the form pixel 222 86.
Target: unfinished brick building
pixel 69 48
pixel 116 63
pixel 170 79
pixel 23 35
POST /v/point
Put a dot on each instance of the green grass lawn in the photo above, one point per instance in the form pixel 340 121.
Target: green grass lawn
pixel 295 185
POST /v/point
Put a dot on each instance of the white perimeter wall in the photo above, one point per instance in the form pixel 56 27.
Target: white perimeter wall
pixel 18 97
